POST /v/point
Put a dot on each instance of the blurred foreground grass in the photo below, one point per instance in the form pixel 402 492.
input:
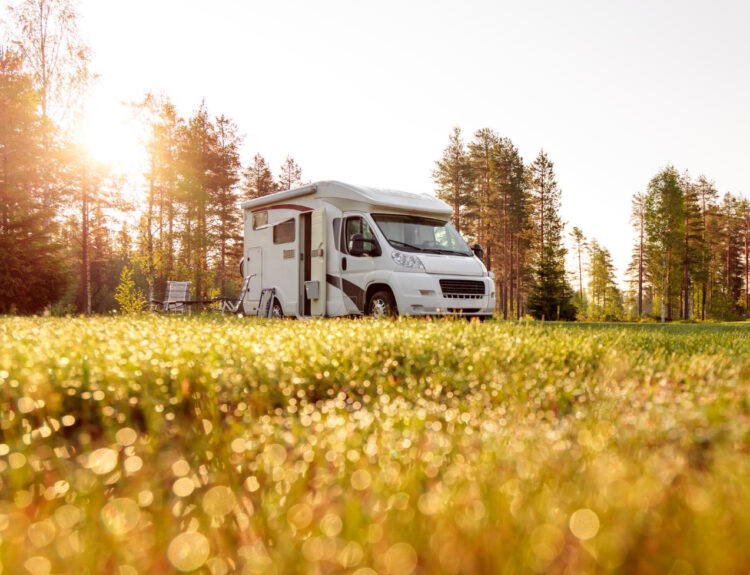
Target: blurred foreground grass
pixel 230 445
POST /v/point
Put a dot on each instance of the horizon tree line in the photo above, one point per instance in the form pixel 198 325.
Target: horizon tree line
pixel 67 231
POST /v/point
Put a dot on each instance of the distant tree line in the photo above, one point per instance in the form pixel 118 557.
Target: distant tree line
pixel 69 237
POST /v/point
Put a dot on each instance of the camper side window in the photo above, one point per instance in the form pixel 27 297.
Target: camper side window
pixel 260 219
pixel 283 233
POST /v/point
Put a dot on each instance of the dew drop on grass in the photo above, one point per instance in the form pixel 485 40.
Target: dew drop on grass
pixel 400 559
pixel 584 524
pixel 25 404
pixel 102 461
pixel 188 551
pixel 183 487
pixel 276 454
pixel 218 501
pixel 120 515
pixel 331 525
pixel 67 516
pixel 41 533
pixel 133 464
pixel 300 515
pixel 180 468
pixel 16 460
pixel 126 436
pixel 38 565
pixel 361 479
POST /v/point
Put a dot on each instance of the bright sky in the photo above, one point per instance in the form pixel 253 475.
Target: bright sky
pixel 367 92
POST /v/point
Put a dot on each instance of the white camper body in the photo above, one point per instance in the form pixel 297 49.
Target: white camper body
pixel 333 249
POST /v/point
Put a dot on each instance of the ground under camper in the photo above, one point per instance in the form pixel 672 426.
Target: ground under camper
pixel 333 249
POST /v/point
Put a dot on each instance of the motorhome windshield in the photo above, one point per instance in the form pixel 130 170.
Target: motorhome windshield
pixel 417 234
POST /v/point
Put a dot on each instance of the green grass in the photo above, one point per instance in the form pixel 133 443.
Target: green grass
pixel 233 445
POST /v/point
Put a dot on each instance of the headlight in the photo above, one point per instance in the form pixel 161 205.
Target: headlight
pixel 409 261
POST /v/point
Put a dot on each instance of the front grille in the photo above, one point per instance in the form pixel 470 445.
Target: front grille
pixel 462 289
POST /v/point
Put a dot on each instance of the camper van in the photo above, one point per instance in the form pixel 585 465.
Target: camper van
pixel 332 249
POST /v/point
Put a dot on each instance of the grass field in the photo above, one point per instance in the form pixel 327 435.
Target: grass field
pixel 230 445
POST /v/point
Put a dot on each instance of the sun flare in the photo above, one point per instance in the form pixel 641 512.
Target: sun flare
pixel 110 134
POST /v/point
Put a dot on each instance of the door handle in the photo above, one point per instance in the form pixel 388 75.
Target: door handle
pixel 343 264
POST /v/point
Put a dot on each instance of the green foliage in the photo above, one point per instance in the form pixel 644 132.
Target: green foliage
pixel 31 271
pixel 454 179
pixel 401 447
pixel 129 297
pixel 550 297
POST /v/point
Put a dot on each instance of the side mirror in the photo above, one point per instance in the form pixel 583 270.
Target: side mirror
pixel 478 251
pixel 360 246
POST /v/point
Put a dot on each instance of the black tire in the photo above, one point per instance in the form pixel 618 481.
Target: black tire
pixel 276 311
pixel 382 304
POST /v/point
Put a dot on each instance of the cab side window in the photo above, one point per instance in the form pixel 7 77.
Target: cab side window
pixel 356 225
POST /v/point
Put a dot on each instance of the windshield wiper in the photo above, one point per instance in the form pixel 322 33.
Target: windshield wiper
pixel 446 252
pixel 407 245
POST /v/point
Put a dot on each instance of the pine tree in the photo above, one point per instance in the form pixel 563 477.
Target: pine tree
pixel 257 179
pixel 508 210
pixel 549 289
pixel 664 226
pixel 453 178
pixel 606 299
pixel 707 195
pixel 226 222
pixel 580 242
pixel 290 175
pixel 478 217
pixel 31 271
pixel 637 268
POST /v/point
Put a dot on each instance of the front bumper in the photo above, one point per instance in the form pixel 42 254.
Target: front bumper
pixel 421 294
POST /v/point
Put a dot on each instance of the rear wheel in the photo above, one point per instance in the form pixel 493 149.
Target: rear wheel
pixel 382 304
pixel 276 311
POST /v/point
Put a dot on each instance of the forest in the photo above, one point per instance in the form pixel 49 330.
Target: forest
pixel 70 237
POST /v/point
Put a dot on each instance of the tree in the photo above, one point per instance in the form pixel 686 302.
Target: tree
pixel 130 299
pixel 508 212
pixel 258 179
pixel 606 298
pixel 290 175
pixel 481 159
pixel 664 221
pixel 549 296
pixel 31 270
pixel 47 37
pixel 707 195
pixel 225 222
pixel 637 266
pixel 453 177
pixel 548 251
pixel 580 243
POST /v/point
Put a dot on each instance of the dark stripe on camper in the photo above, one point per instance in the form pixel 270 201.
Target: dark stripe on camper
pixel 352 291
pixel 285 207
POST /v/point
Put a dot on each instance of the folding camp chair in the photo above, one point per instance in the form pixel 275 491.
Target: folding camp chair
pixel 234 306
pixel 176 298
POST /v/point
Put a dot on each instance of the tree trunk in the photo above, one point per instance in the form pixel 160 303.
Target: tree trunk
pixel 85 264
pixel 640 270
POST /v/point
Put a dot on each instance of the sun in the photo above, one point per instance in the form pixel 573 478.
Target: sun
pixel 110 134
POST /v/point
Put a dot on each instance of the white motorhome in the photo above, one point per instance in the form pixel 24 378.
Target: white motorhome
pixel 333 249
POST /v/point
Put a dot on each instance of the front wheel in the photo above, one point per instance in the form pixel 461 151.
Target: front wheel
pixel 382 304
pixel 276 311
